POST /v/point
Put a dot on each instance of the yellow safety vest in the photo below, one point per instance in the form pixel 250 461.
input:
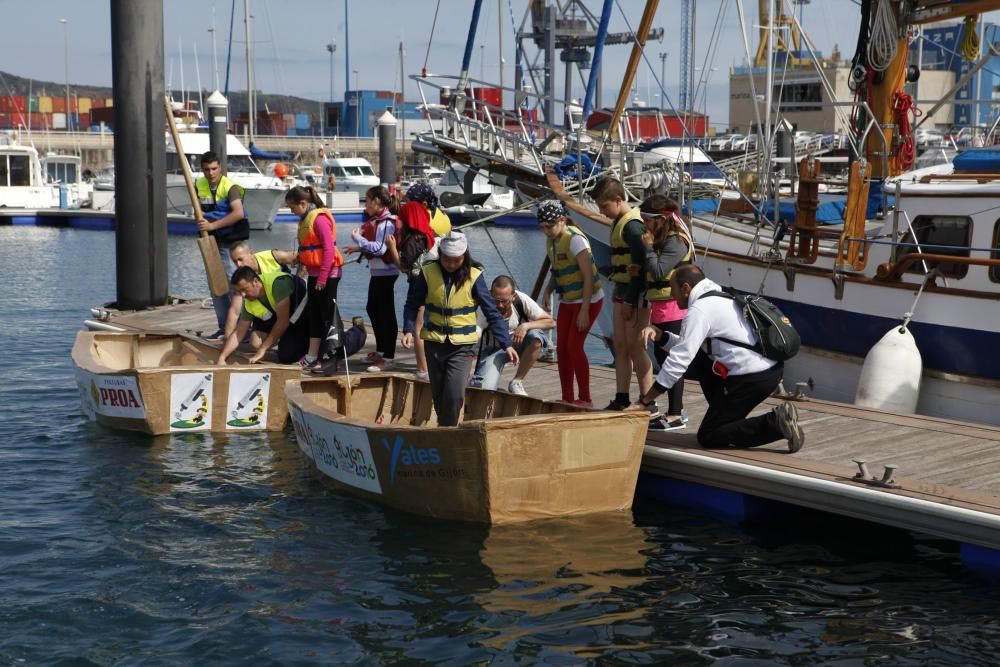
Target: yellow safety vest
pixel 569 279
pixel 449 317
pixel 621 254
pixel 266 263
pixel 440 223
pixel 659 290
pixel 260 309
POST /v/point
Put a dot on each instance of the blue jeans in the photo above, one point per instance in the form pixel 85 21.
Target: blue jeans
pixel 221 303
pixel 491 365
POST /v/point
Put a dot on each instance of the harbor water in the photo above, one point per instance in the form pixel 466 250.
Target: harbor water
pixel 119 548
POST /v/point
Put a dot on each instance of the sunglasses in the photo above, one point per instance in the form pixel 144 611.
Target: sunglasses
pixel 503 302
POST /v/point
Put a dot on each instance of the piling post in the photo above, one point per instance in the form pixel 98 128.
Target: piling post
pixel 218 126
pixel 387 148
pixel 140 153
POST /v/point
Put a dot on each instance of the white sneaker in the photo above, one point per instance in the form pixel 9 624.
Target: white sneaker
pixel 517 387
pixel 381 364
pixel 422 375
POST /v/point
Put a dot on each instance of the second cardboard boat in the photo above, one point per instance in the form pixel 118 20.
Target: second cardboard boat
pixel 169 384
pixel 511 458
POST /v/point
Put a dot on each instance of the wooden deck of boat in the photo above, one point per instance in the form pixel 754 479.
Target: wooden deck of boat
pixel 941 463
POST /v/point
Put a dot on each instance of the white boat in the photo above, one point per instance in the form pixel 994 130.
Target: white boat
pixel 466 193
pixel 262 196
pixel 353 174
pixel 22 181
pixel 66 170
pixel 928 264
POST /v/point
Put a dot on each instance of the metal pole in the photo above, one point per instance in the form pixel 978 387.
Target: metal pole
pixel 65 23
pixel 140 153
pixel 347 49
pixel 550 64
pixel 332 48
pixel 250 103
pixel 500 42
pixel 215 53
pixel 402 106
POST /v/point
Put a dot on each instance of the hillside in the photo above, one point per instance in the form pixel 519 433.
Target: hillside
pixel 11 84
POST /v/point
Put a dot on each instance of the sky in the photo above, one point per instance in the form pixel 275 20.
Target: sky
pixel 290 40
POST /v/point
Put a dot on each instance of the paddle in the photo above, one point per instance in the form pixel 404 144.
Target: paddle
pixel 218 281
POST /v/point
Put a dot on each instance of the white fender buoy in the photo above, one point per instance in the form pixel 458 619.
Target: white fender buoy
pixel 890 376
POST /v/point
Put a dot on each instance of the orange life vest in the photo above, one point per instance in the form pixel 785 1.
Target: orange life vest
pixel 310 245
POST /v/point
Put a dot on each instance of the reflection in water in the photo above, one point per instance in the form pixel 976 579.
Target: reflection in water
pixel 544 569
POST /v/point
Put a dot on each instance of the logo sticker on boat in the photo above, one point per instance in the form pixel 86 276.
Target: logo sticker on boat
pixel 111 395
pixel 339 451
pixel 191 401
pixel 249 395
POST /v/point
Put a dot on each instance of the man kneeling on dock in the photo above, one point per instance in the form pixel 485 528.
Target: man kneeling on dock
pixel 734 378
pixel 272 303
pixel 265 261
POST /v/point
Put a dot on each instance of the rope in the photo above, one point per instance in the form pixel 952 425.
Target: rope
pixel 430 40
pixel 970 39
pixel 902 105
pixel 882 42
pixel 909 315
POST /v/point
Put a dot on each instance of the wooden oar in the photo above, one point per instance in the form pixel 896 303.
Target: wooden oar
pixel 218 281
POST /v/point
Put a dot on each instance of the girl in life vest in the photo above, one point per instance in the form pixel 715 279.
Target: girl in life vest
pixel 317 235
pixel 575 279
pixel 668 246
pixel 372 242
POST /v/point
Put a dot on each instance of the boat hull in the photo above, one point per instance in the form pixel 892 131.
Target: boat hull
pixel 544 460
pixel 167 384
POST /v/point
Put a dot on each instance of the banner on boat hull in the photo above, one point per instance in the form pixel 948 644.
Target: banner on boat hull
pixel 249 400
pixel 340 451
pixel 191 401
pixel 110 396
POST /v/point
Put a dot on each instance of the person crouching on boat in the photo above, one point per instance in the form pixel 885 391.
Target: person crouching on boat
pixel 734 378
pixel 371 242
pixel 265 261
pixel 273 296
pixel 451 289
pixel 317 235
pixel 668 246
pixel 575 279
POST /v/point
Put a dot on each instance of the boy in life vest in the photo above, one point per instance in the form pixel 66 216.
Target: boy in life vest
pixel 631 310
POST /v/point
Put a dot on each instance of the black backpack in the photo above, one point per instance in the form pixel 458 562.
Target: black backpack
pixel 778 339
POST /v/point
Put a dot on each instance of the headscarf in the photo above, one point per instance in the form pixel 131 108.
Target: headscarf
pixel 423 193
pixel 414 217
pixel 550 211
pixel 454 244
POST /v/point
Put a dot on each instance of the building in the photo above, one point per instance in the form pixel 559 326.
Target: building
pixel 358 114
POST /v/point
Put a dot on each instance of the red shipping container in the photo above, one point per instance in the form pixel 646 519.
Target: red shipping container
pixel 38 121
pixel 58 104
pixel 104 115
pixel 18 103
pixel 4 121
pixel 84 121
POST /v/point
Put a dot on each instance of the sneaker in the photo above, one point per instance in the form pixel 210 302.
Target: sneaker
pixel 422 375
pixel 663 424
pixel 372 356
pixel 306 361
pixel 616 405
pixel 215 336
pixel 684 416
pixel 653 409
pixel 787 417
pixel 316 367
pixel 583 404
pixel 517 387
pixel 380 365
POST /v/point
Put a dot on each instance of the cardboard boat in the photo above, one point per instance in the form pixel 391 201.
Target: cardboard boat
pixel 510 459
pixel 170 384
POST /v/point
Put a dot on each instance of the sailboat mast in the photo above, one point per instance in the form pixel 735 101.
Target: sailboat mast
pixel 765 140
pixel 250 101
pixel 633 64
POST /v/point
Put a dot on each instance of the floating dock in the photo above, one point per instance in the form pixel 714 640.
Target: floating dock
pixel 930 475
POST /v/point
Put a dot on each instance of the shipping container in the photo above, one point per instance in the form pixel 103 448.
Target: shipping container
pixel 37 121
pixel 83 121
pixel 109 101
pixel 59 119
pixel 32 105
pixel 301 121
pixel 104 115
pixel 83 105
pixel 59 105
pixel 45 104
pixel 5 120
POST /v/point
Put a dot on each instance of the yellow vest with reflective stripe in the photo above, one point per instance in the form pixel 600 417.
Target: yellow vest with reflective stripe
pixel 256 307
pixel 266 263
pixel 569 279
pixel 621 254
pixel 449 317
pixel 659 290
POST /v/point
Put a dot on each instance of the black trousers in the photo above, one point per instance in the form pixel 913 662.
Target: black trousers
pixel 382 314
pixel 730 400
pixel 448 372
pixel 320 308
pixel 675 395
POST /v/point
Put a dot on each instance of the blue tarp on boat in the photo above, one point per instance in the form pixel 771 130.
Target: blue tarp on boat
pixel 829 212
pixel 267 155
pixel 978 160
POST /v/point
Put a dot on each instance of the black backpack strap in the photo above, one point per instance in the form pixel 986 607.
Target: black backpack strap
pixel 737 343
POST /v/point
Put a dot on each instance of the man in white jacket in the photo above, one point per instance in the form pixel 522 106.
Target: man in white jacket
pixel 735 379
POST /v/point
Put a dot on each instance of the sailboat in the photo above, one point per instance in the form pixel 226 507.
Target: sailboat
pixel 897 311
